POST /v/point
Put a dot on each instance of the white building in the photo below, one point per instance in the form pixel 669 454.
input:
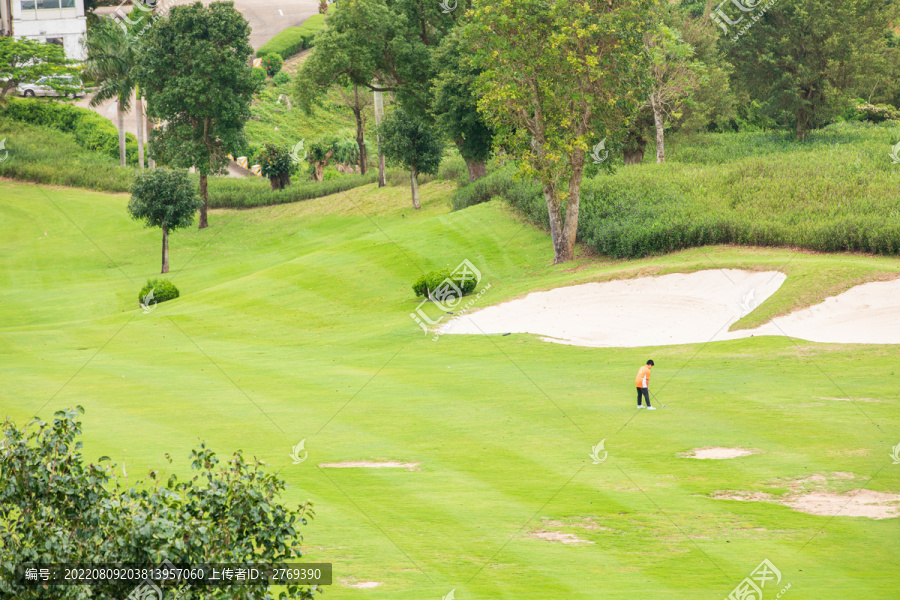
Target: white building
pixel 59 22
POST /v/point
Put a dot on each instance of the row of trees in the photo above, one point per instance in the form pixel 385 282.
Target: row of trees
pixel 543 81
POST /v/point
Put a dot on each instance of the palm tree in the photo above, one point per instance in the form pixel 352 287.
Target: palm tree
pixel 111 47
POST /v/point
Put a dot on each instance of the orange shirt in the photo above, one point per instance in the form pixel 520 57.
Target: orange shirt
pixel 643 374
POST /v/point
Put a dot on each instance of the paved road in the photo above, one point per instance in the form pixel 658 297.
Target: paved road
pixel 266 18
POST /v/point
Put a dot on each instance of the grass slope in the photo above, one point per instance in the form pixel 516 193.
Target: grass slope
pixel 294 324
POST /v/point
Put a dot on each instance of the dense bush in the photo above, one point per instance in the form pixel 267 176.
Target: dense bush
pixel 259 76
pixel 91 130
pixel 46 155
pixel 281 78
pixel 230 192
pixel 835 192
pixel 876 113
pixel 428 282
pixel 163 290
pixel 293 39
pixel 272 63
pixel 482 190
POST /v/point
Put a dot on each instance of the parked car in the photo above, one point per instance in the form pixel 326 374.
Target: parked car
pixel 43 87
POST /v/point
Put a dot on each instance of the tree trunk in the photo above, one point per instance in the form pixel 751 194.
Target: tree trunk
pixel 319 173
pixel 660 131
pixel 150 162
pixel 570 228
pixel 556 221
pixel 477 169
pixel 285 179
pixel 360 132
pixel 120 118
pixel 414 181
pixel 165 250
pixel 379 109
pixel 204 223
pixel 139 116
pixel 801 124
pixel 634 157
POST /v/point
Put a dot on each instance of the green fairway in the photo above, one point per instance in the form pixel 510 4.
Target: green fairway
pixel 294 324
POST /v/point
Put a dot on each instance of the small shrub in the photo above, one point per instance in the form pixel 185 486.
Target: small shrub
pixel 876 113
pixel 482 190
pixel 281 78
pixel 293 39
pixel 428 282
pixel 272 63
pixel 163 290
pixel 259 76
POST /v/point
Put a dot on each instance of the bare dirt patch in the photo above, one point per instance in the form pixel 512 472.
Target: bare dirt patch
pixel 718 453
pixel 559 536
pixel 873 400
pixel 855 503
pixel 372 464
pixel 361 584
pixel 744 496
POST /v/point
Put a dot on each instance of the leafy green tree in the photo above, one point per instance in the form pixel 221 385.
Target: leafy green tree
pixel 676 74
pixel 166 199
pixel 194 68
pixel 456 106
pixel 800 58
pixel 556 77
pixel 358 103
pixel 275 163
pixel 23 60
pixel 55 507
pixel 409 141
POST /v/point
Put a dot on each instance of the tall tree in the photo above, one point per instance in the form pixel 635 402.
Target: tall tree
pixel 676 73
pixel 165 199
pixel 410 142
pixel 556 77
pixel 456 105
pixel 384 46
pixel 111 48
pixel 23 60
pixel 358 102
pixel 798 58
pixel 195 73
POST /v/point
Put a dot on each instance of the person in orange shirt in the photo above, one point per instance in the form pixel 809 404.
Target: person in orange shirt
pixel 642 381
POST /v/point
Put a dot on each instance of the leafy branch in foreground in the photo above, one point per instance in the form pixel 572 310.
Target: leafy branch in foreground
pixel 55 508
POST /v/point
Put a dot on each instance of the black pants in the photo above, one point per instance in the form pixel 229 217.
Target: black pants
pixel 645 393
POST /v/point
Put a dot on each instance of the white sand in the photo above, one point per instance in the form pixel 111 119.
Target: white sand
pixel 686 309
pixel 649 311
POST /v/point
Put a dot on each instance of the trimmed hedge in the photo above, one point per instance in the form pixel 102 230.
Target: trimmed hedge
pixel 163 290
pixel 482 190
pixel 430 281
pixel 230 192
pixel 91 130
pixel 293 39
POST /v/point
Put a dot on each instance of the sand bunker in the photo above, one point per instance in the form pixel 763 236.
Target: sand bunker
pixel 650 311
pixel 687 309
pixel 371 464
pixel 558 536
pixel 719 453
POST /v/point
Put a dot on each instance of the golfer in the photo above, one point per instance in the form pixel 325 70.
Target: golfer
pixel 642 381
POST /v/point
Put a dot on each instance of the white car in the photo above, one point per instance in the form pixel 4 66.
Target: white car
pixel 43 87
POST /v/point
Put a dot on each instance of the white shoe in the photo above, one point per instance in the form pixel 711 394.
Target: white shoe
pixel 640 406
pixel 651 408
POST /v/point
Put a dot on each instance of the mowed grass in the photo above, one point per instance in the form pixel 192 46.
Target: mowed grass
pixel 294 325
